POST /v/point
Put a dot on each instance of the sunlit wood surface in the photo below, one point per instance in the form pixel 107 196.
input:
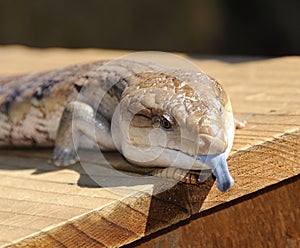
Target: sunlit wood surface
pixel 44 206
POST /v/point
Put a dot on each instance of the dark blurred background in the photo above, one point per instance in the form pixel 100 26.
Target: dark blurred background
pixel 257 27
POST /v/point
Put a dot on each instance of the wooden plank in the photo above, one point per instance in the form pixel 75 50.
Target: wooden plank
pixel 10 233
pixel 43 206
pixel 40 209
pixel 268 218
pixel 20 60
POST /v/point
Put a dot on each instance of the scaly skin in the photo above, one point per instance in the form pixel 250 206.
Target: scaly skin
pixel 171 120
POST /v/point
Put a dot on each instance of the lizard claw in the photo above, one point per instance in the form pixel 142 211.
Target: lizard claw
pixel 64 156
pixel 239 124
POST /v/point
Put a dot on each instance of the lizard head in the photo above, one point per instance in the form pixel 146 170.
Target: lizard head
pixel 181 119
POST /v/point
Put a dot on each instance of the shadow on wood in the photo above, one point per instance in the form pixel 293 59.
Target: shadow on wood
pixel 162 203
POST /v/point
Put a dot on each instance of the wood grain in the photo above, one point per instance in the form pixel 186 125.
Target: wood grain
pixel 42 206
pixel 267 218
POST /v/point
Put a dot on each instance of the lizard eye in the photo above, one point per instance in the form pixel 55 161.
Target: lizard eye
pixel 165 124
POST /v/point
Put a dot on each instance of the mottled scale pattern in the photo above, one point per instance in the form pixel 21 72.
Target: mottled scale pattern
pixel 31 105
pixel 167 89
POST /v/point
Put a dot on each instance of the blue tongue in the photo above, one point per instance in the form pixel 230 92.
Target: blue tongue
pixel 220 169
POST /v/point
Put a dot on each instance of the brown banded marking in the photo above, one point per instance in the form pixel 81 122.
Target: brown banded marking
pixel 39 135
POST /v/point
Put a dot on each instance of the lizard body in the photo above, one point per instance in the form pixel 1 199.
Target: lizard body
pixel 123 102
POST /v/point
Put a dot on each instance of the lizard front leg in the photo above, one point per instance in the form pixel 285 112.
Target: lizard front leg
pixel 79 118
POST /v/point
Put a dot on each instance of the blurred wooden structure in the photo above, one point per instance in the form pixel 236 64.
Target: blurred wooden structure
pixel 41 206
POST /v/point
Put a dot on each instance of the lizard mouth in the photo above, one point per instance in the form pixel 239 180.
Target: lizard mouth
pixel 168 158
pixel 218 164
